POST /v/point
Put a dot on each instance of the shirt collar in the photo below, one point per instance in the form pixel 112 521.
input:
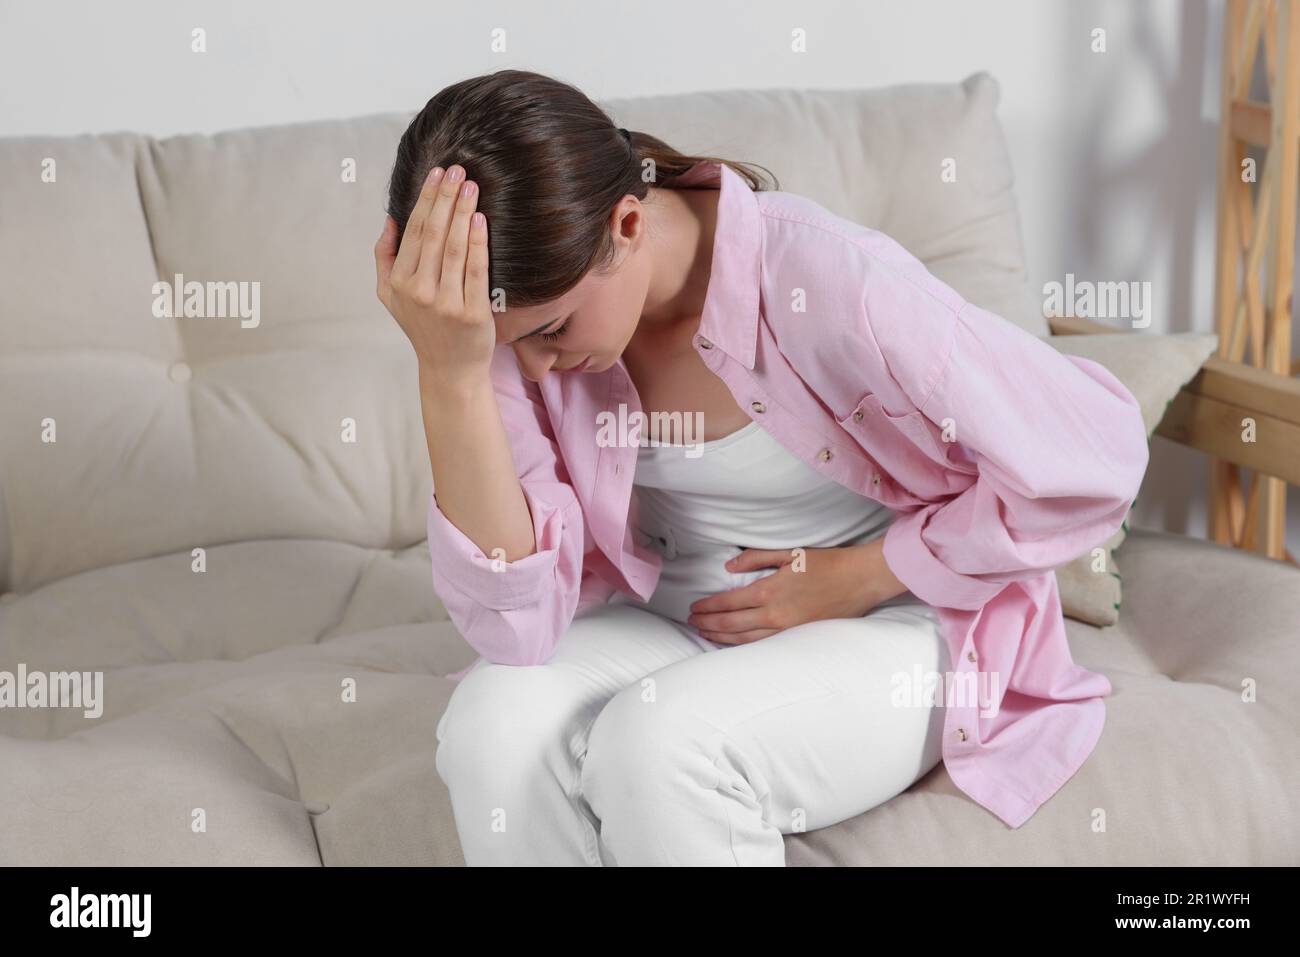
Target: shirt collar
pixel 730 316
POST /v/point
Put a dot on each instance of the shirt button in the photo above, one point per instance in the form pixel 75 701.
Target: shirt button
pixel 961 734
pixel 857 415
pixel 758 406
pixel 970 656
pixel 825 455
pixel 875 480
pixel 705 343
pixel 179 372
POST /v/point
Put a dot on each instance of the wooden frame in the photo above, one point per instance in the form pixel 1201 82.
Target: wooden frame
pixel 1254 277
pixel 1212 411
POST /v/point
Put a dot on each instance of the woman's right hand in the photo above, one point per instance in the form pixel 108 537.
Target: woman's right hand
pixel 436 284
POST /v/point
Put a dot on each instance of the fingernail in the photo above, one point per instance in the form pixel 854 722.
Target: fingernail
pixel 433 174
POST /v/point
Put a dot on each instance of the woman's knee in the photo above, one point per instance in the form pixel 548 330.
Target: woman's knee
pixel 504 720
pixel 636 742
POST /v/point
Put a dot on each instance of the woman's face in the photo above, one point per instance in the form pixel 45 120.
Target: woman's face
pixel 593 322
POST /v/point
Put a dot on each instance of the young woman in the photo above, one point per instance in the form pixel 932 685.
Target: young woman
pixel 829 572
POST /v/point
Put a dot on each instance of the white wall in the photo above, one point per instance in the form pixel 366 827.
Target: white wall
pixel 1114 152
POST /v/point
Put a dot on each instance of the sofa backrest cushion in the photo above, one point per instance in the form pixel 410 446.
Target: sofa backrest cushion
pixel 296 415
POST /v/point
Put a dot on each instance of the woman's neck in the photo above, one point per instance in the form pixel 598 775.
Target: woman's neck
pixel 683 225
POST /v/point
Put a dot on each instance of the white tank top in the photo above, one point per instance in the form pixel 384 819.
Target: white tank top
pixel 744 490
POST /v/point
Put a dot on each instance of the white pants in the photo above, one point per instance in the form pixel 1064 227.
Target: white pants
pixel 634 745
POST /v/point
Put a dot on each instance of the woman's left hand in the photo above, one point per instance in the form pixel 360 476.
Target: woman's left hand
pixel 809 584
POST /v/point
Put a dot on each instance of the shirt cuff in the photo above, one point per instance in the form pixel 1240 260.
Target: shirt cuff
pixel 925 576
pixel 494 582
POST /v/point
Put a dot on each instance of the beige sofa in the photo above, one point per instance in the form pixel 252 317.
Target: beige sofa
pixel 229 521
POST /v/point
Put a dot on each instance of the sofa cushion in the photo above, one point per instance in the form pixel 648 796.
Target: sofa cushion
pixel 184 432
pixel 179 432
pixel 1188 771
pixel 252 724
pixel 286 717
pixel 926 163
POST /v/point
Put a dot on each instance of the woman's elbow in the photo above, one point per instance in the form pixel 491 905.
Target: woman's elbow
pixel 523 636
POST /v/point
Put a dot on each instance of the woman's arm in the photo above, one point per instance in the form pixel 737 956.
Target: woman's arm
pixel 1059 444
pixel 512 606
pixel 842 581
pixel 473 472
pixel 880 579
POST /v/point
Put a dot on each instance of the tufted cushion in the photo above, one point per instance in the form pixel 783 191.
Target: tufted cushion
pixel 1187 771
pixel 877 157
pixel 177 433
pixel 238 708
pixel 249 724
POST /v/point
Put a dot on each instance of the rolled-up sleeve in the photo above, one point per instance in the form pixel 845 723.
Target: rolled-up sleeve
pixel 1058 444
pixel 513 612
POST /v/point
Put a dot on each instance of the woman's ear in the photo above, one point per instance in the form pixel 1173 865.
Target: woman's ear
pixel 628 218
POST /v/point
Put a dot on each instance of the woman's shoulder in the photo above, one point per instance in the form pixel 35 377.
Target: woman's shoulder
pixel 819 229
pixel 847 302
pixel 802 237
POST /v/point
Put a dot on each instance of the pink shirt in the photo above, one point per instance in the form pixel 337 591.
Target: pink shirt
pixel 855 358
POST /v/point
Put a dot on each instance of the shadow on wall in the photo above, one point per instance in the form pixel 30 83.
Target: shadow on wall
pixel 1136 200
pixel 1159 191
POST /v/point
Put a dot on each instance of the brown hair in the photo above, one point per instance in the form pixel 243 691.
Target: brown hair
pixel 550 166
